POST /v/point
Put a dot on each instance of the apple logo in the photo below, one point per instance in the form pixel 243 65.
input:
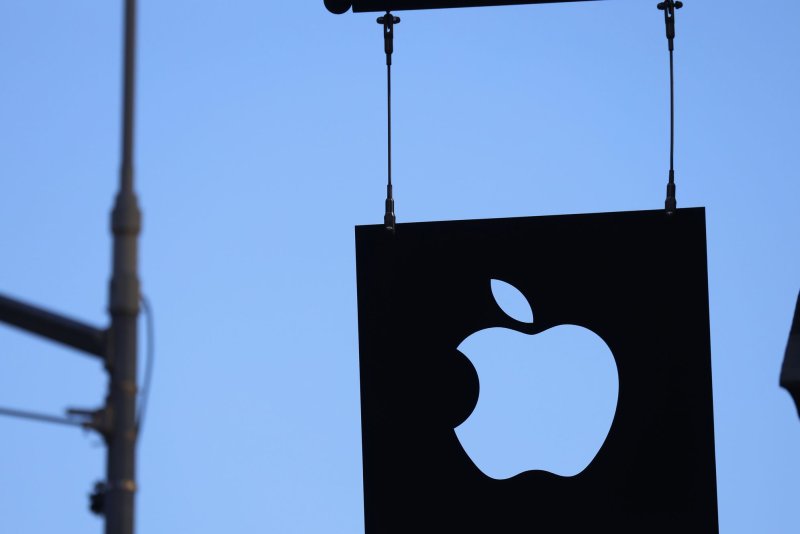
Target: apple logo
pixel 546 400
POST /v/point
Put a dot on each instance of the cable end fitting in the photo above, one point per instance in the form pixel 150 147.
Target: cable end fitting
pixel 388 21
pixel 669 7
pixel 669 4
pixel 389 217
pixel 671 203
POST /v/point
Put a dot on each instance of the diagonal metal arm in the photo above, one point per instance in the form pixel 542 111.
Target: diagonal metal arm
pixel 360 6
pixel 53 326
pixel 42 418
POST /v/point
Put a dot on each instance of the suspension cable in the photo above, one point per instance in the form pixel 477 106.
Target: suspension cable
pixel 388 21
pixel 669 7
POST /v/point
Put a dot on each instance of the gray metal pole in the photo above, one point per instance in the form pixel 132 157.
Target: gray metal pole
pixel 117 421
pixel 124 309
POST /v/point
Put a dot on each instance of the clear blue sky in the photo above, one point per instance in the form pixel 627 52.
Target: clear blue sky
pixel 260 144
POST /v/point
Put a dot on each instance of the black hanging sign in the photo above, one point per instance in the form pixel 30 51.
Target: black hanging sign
pixel 617 300
pixel 341 6
pixel 790 372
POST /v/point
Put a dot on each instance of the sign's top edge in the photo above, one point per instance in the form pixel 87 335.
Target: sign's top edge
pixel 699 210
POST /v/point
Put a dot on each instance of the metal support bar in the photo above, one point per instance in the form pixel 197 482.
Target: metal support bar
pixel 360 6
pixel 53 326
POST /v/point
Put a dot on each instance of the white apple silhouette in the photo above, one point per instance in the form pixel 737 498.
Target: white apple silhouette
pixel 546 400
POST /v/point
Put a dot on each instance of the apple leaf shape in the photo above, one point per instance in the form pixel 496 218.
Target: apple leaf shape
pixel 512 301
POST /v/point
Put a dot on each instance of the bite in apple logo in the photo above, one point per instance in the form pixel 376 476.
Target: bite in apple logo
pixel 546 401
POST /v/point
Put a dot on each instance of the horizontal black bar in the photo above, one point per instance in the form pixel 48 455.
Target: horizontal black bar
pixel 362 6
pixel 53 326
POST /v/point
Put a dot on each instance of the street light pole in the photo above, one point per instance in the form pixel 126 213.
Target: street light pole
pixel 124 309
pixel 117 421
